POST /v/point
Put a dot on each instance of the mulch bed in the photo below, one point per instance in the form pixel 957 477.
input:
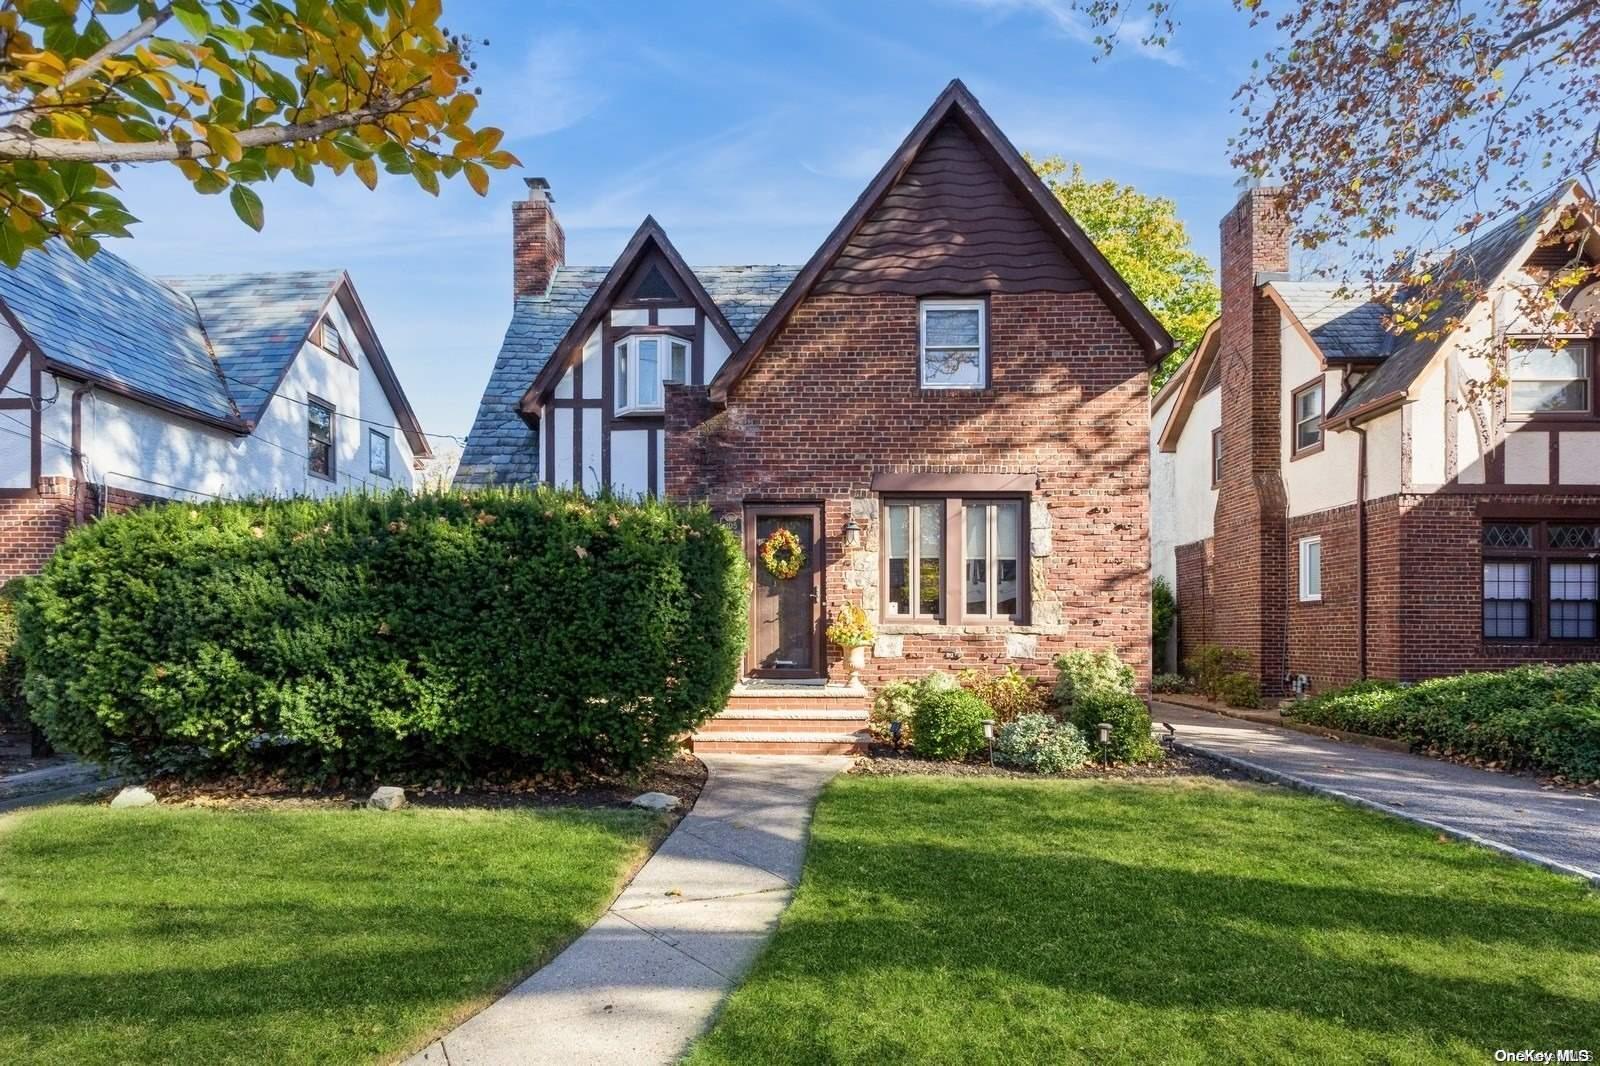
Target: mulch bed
pixel 681 775
pixel 885 761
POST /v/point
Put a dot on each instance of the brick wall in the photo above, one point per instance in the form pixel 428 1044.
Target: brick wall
pixel 1441 587
pixel 538 244
pixel 1251 565
pixel 1323 634
pixel 835 398
pixel 1196 597
pixel 32 527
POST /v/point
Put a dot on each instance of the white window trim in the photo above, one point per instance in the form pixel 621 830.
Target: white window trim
pixel 1306 595
pixel 373 437
pixel 1579 343
pixel 1319 388
pixel 983 341
pixel 628 348
pixel 326 326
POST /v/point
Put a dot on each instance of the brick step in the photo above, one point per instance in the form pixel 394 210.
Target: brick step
pixel 819 721
pixel 748 743
pixel 785 702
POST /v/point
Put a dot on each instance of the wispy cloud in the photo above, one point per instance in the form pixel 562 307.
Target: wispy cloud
pixel 1072 23
pixel 554 86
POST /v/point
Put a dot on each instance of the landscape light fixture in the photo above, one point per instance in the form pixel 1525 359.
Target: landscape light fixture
pixel 988 734
pixel 894 734
pixel 1104 729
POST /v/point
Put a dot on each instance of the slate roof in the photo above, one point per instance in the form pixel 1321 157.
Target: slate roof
pixel 1476 264
pixel 112 322
pixel 1344 326
pixel 501 448
pixel 256 324
pixel 214 346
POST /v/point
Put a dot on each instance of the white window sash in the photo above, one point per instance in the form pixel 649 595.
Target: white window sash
pixel 981 348
pixel 1310 546
pixel 626 352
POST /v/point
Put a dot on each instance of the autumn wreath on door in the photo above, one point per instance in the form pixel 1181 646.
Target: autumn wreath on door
pixel 782 554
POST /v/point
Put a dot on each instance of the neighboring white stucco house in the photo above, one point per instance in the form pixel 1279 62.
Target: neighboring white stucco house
pixel 116 386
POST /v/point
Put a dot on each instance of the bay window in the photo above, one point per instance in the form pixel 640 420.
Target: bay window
pixel 646 362
pixel 954 559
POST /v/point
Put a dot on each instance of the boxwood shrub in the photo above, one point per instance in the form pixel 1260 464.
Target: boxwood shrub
pixel 948 724
pixel 1539 718
pixel 449 633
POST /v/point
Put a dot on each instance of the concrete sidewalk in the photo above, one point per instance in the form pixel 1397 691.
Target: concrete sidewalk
pixel 647 978
pixel 1558 828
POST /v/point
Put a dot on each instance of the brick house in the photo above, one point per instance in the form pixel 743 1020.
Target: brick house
pixel 1343 503
pixel 946 405
pixel 119 388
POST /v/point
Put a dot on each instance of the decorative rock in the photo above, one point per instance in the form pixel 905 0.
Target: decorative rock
pixel 656 801
pixel 387 798
pixel 134 796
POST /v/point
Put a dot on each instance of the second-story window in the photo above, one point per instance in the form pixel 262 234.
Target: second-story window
pixel 1307 408
pixel 319 439
pixel 377 453
pixel 644 364
pixel 1548 380
pixel 954 353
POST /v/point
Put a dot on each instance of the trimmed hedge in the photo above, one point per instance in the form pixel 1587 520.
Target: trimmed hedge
pixel 12 709
pixel 447 633
pixel 1539 718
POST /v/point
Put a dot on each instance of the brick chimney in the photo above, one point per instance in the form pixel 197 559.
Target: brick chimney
pixel 538 246
pixel 1251 522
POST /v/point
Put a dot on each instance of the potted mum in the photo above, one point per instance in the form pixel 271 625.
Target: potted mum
pixel 852 631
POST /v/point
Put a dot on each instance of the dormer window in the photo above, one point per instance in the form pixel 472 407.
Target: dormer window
pixel 644 364
pixel 954 353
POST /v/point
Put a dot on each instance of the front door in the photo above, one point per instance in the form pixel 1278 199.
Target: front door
pixel 786 612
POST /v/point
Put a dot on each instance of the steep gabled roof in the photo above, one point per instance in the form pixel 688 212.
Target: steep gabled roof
pixel 648 238
pixel 957 104
pixel 1475 267
pixel 501 448
pixel 106 321
pixel 1344 326
pixel 258 323
pixel 1190 384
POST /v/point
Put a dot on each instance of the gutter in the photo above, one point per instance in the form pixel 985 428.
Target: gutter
pixel 1376 406
pixel 1361 552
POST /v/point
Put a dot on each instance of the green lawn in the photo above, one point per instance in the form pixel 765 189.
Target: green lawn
pixel 999 921
pixel 325 936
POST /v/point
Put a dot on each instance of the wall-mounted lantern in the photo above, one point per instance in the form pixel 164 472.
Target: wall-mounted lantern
pixel 852 534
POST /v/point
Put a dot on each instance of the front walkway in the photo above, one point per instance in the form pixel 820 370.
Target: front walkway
pixel 1554 827
pixel 645 980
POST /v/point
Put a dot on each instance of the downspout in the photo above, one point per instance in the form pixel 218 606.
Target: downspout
pixel 1361 552
pixel 77 455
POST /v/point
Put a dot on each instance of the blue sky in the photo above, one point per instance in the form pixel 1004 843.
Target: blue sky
pixel 747 129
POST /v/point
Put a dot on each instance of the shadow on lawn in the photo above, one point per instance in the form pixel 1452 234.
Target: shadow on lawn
pixel 1215 902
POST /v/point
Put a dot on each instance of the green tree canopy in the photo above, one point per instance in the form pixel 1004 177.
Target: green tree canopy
pixel 232 94
pixel 1146 242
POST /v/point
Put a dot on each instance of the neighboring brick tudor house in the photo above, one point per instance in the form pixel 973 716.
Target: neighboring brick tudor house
pixel 947 405
pixel 1343 503
pixel 118 388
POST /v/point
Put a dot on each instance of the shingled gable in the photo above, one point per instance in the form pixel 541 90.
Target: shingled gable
pixel 649 239
pixel 956 104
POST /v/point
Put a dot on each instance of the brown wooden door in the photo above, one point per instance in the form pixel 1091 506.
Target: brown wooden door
pixel 785 629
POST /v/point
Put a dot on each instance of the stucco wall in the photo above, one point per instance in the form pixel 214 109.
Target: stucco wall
pixel 1324 479
pixel 1183 502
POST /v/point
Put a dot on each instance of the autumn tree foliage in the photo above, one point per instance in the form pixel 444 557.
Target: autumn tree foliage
pixel 1143 238
pixel 1400 130
pixel 232 95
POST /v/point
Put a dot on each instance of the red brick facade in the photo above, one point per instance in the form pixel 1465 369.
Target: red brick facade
pixel 1424 586
pixel 538 244
pixel 1251 549
pixel 835 398
pixel 33 526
